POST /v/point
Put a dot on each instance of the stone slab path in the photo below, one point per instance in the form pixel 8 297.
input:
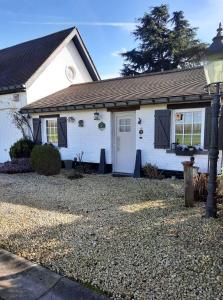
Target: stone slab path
pixel 21 279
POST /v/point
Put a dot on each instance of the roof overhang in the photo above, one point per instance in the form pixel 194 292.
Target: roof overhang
pixel 12 89
pixel 82 49
pixel 117 104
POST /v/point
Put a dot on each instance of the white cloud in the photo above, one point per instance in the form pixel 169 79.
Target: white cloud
pixel 118 52
pixel 129 26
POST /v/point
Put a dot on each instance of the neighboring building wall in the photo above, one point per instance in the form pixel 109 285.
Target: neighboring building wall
pixel 53 78
pixel 8 131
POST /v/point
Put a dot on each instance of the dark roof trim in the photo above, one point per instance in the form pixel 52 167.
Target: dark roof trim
pixel 12 89
pixel 89 64
pixel 183 99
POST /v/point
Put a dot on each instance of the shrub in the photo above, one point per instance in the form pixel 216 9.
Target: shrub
pixel 21 149
pixel 19 165
pixel 151 171
pixel 74 175
pixel 45 160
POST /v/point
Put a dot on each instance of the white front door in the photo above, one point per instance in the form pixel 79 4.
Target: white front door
pixel 124 142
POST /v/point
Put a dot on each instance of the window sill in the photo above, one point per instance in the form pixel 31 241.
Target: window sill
pixel 198 152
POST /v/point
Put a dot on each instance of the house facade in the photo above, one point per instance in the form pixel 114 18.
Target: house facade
pixel 36 69
pixel 161 114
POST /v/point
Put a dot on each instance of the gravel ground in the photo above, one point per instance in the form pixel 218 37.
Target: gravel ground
pixel 133 239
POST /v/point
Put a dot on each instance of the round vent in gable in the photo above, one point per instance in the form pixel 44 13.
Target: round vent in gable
pixel 70 73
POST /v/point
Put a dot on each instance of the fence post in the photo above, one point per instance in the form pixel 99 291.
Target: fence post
pixel 188 183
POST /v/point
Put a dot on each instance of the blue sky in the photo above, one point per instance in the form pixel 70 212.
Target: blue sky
pixel 104 25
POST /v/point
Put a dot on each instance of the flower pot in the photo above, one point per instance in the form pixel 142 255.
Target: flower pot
pixel 68 164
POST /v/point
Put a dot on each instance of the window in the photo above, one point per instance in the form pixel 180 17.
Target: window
pixel 124 125
pixel 188 128
pixel 51 131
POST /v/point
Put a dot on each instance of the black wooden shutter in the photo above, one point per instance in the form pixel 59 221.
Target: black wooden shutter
pixel 207 129
pixel 37 135
pixel 162 129
pixel 62 131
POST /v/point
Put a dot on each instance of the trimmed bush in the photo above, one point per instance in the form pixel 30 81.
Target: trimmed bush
pixel 18 165
pixel 45 160
pixel 21 149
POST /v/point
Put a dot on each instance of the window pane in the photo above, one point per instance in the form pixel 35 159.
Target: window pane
pixel 188 118
pixel 179 139
pixel 179 128
pixel 187 139
pixel 51 131
pixel 128 121
pixel 196 139
pixel 197 117
pixel 187 129
pixel 197 128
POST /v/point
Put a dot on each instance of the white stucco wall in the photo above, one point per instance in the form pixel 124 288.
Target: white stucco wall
pixel 53 78
pixel 8 131
pixel 160 157
pixel 90 140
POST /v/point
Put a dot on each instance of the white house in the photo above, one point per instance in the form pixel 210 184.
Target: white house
pixel 36 69
pixel 150 113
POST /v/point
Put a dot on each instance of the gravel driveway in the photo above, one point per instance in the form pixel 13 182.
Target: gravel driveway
pixel 132 238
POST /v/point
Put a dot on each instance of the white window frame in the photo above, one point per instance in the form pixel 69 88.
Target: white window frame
pixel 45 130
pixel 173 123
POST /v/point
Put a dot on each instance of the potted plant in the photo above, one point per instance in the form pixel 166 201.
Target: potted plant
pixel 185 150
pixel 68 164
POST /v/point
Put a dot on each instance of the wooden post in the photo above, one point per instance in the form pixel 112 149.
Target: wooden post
pixel 188 183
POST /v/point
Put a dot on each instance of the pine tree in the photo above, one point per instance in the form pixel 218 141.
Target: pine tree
pixel 165 43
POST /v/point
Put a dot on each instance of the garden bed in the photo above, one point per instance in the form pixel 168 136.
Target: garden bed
pixel 132 238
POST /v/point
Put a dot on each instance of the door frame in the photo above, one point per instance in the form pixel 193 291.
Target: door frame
pixel 114 140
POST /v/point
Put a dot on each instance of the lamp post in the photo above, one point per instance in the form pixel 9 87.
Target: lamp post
pixel 213 67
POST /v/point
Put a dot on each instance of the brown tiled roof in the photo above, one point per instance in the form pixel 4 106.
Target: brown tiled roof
pixel 151 86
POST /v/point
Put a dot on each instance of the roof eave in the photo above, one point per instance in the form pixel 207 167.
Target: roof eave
pixel 12 89
pixel 149 101
pixel 86 56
